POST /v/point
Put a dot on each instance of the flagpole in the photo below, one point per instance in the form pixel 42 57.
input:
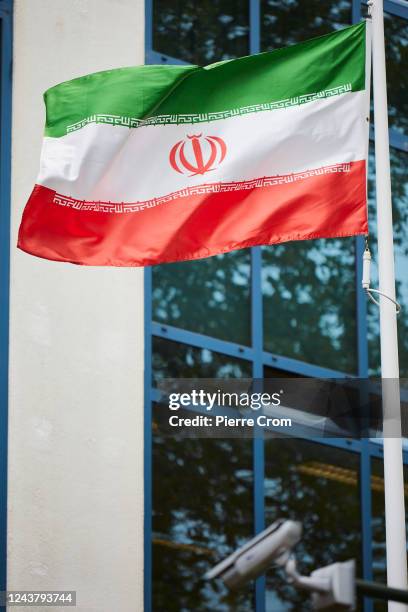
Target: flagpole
pixel 393 462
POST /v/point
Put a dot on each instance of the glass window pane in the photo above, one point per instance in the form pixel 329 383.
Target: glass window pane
pixel 309 302
pixel 316 485
pixel 276 373
pixel 209 296
pixel 378 524
pixel 201 32
pixel 396 48
pixel 304 316
pixel 285 22
pixel 175 360
pixel 202 511
pixel 399 181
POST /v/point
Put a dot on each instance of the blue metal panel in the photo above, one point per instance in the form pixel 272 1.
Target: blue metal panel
pixel 301 367
pixel 296 366
pixel 259 511
pixel 347 444
pixel 148 446
pixel 254 26
pixel 6 8
pixel 356 11
pixel 5 173
pixel 148 30
pixel 397 7
pixel 153 57
pixel 201 341
pixel 257 311
pixel 243 352
pixel 366 513
pixel 398 140
pixel 259 442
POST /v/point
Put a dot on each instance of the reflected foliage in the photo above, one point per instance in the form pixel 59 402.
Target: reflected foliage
pixel 208 296
pixel 378 524
pixel 396 47
pixel 316 485
pixel 308 287
pixel 399 181
pixel 201 32
pixel 309 302
pixel 286 22
pixel 202 511
pixel 174 360
pixel 202 489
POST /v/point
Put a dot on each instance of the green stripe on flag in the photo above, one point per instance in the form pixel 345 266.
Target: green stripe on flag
pixel 321 67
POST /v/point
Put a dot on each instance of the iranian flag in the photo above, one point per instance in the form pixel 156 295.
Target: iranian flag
pixel 155 164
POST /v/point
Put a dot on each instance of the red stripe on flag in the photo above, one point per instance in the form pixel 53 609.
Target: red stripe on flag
pixel 321 206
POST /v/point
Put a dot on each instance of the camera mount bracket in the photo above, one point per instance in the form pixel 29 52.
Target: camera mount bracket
pixel 331 586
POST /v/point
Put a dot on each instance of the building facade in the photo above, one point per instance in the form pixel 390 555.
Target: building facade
pixel 282 311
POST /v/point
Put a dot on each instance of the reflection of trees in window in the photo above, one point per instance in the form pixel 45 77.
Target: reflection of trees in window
pixel 396 36
pixel 285 22
pixel 309 302
pixel 174 360
pixel 209 296
pixel 399 181
pixel 202 511
pixel 309 291
pixel 201 32
pixel 378 523
pixel 315 485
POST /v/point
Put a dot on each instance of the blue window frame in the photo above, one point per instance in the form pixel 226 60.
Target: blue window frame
pixel 255 354
pixel 5 160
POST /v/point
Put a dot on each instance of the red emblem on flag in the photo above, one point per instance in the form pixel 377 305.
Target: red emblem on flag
pixel 198 154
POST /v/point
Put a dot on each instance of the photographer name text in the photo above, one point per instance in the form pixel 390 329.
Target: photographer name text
pixel 224 421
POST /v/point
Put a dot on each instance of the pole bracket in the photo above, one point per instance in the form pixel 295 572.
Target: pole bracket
pixel 366 282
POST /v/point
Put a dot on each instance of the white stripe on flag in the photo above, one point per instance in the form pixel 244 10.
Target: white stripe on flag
pixel 114 163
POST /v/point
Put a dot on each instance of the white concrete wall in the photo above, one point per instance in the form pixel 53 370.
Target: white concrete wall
pixel 76 349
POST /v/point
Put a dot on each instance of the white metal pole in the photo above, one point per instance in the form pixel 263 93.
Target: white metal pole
pixel 393 465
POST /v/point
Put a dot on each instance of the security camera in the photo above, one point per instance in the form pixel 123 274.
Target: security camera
pixel 273 545
pixel 333 587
